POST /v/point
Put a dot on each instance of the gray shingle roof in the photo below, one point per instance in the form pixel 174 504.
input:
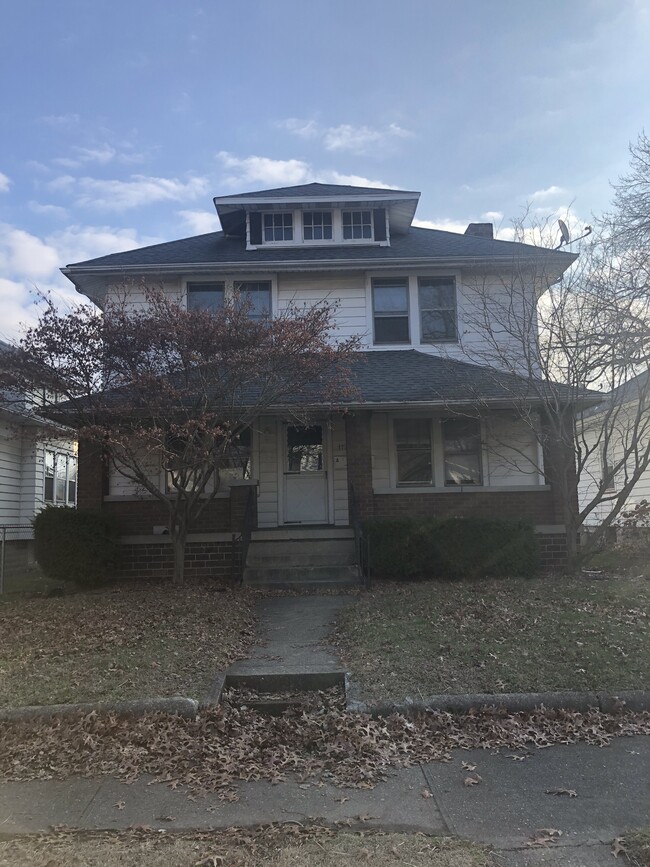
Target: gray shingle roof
pixel 215 249
pixel 315 189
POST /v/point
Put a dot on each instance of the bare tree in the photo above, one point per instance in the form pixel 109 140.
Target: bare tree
pixel 162 389
pixel 571 335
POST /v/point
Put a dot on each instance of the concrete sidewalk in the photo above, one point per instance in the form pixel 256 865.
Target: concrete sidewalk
pixel 504 810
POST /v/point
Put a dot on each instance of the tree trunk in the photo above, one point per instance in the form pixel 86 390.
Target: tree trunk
pixel 179 539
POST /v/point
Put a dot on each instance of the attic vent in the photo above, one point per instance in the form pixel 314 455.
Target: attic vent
pixel 481 230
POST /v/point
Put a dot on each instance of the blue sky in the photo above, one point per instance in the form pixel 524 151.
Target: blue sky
pixel 120 120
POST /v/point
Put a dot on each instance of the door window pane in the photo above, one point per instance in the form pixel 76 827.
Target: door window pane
pixel 305 449
pixel 462 444
pixel 413 448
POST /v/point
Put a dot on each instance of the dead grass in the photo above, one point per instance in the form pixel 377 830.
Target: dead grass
pixel 120 643
pixel 280 846
pixel 636 846
pixel 514 635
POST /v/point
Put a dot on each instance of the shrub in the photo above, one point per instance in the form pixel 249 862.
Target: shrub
pixel 76 545
pixel 416 548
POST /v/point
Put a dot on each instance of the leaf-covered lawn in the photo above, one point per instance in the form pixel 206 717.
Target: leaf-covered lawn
pixel 279 845
pixel 514 635
pixel 120 643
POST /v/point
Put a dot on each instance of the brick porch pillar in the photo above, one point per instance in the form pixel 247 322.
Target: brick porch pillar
pixel 93 477
pixel 359 456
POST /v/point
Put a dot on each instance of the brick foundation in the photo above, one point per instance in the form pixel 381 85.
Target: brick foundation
pixel 155 559
pixel 552 550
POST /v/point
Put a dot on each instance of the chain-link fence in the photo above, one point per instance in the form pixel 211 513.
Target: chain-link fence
pixel 16 556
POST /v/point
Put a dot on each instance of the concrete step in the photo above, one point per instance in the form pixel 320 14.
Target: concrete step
pixel 305 576
pixel 294 553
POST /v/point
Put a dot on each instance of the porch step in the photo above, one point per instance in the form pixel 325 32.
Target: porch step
pixel 289 577
pixel 289 553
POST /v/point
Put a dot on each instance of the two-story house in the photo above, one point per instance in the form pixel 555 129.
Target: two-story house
pixel 431 432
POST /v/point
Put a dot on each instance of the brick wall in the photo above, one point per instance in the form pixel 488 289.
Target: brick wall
pixel 534 506
pixel 138 517
pixel 155 559
pixel 552 549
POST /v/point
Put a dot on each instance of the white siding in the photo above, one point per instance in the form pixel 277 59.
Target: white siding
pixel 347 292
pixel 592 473
pixel 339 471
pixel 267 501
pixel 511 451
pixel 10 474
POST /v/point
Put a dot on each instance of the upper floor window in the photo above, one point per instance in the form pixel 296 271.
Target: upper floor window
pixel 258 296
pixel 278 227
pixel 461 439
pixel 413 450
pixel 437 298
pixel 357 225
pixel 60 479
pixel 390 309
pixel 317 225
pixel 205 296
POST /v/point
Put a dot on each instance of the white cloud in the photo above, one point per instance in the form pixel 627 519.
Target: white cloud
pixel 5 183
pixel 30 267
pixel 345 136
pixel 263 170
pixel 359 138
pixel 47 209
pixel 200 222
pixel 445 224
pixel 61 120
pixel 279 173
pixel 116 195
pixel 552 192
pixel 493 216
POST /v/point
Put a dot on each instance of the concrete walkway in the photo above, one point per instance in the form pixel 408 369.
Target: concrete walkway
pixel 612 785
pixel 294 631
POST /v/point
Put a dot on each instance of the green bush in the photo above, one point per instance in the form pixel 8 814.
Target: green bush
pixel 417 548
pixel 76 545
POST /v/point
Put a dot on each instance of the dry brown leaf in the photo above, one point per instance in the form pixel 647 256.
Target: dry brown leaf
pixel 469 766
pixel 473 781
pixel 120 805
pixel 425 793
pixel 570 792
pixel 618 847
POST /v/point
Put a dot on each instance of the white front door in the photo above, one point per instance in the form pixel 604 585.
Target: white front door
pixel 305 475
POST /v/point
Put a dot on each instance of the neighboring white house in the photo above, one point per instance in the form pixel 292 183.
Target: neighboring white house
pixel 36 470
pixel 610 430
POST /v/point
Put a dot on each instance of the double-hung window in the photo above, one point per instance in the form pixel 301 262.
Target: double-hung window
pixel 205 296
pixel 278 227
pixel 236 462
pixel 357 225
pixel 462 449
pixel 413 451
pixel 60 479
pixel 437 297
pixel 390 308
pixel 258 296
pixel 317 225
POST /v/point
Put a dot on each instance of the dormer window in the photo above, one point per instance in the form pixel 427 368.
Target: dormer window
pixel 317 225
pixel 278 227
pixel 357 225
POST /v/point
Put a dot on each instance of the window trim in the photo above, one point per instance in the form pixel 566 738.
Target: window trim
pixel 70 459
pixel 406 315
pixel 419 279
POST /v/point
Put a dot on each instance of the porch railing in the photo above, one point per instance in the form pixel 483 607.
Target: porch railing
pixel 361 541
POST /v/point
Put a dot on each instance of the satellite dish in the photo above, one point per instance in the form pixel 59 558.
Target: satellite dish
pixel 566 238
